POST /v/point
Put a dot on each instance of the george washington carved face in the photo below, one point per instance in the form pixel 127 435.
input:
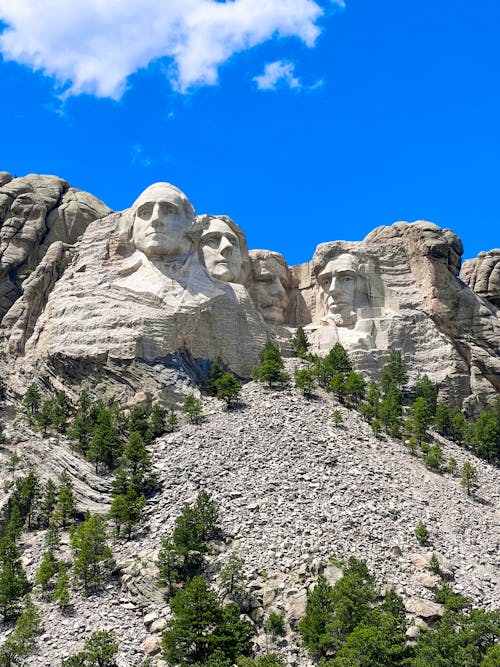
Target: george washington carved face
pixel 163 219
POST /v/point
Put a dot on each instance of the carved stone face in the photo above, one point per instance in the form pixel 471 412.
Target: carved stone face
pixel 338 282
pixel 220 251
pixel 270 280
pixel 162 221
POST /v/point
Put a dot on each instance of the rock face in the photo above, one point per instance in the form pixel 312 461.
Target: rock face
pixel 40 218
pixel 399 289
pixel 483 275
pixel 156 289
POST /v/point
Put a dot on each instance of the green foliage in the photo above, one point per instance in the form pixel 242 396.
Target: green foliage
pixel 486 433
pixel 126 511
pixel 394 372
pixel 336 361
pixel 355 388
pixel 337 386
pixel 337 418
pixel 391 409
pixel 201 625
pixel 92 556
pixel 419 419
pixel 66 502
pixel 48 503
pixel 269 660
pixel 433 457
pixel 192 408
pixel 216 372
pixel 452 465
pixel 23 502
pixel 304 380
pixel 227 388
pixel 61 592
pixel 52 539
pixel 181 553
pixel 468 477
pixel 370 410
pixel 138 422
pixel 231 577
pixel 451 600
pixel 106 444
pixel 275 625
pixel 270 369
pixel 136 464
pixel 32 400
pixel 427 390
pixel 376 426
pixel 378 640
pixel 332 613
pixel 172 422
pixel 21 640
pixel 46 571
pixel 422 533
pixel 300 343
pixel 457 640
pixel 434 565
pixel 99 650
pixel 158 421
pixel 13 581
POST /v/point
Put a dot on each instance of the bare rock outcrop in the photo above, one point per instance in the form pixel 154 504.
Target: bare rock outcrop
pixel 482 275
pixel 37 213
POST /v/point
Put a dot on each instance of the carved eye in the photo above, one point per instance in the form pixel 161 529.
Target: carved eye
pixel 145 211
pixel 167 208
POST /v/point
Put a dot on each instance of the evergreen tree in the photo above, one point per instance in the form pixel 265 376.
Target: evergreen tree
pixel 46 571
pixel 468 477
pixel 337 386
pixel 427 390
pixel 157 420
pixel 31 401
pixel 391 409
pixel 433 458
pixel 227 389
pixel 83 424
pixel 300 343
pixel 371 408
pixel 126 511
pixel 486 434
pixel 52 539
pixel 271 365
pixel 216 372
pixel 355 387
pixel 419 419
pixel 61 592
pixel 138 422
pixel 92 556
pixel 136 462
pixel 442 419
pixel 48 503
pixel 231 577
pixel 66 503
pixel 304 380
pixel 21 640
pixel 394 372
pixel 319 614
pixel 337 418
pixel 201 625
pixel 13 581
pixel 106 444
pixel 336 361
pixel 26 496
pixel 192 408
pixel 99 650
pixel 172 422
pixel 422 533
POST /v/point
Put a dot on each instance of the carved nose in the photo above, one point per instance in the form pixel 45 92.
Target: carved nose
pixel 155 216
pixel 333 285
pixel 277 288
pixel 225 247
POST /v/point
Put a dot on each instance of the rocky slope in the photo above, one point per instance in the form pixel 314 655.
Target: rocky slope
pixel 293 491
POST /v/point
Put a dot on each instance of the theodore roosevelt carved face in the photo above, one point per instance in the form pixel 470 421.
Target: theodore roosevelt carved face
pixel 271 279
pixel 163 218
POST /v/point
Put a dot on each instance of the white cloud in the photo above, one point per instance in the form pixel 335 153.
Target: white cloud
pixel 277 72
pixel 92 46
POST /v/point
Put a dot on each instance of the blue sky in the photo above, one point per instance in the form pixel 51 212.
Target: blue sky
pixel 304 120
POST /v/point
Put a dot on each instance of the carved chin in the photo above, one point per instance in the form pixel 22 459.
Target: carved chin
pixel 223 272
pixel 273 313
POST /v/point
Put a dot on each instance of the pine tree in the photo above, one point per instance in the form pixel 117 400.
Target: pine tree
pixel 92 556
pixel 216 372
pixel 336 361
pixel 61 592
pixel 394 372
pixel 46 571
pixel 419 419
pixel 138 422
pixel 271 365
pixel 304 380
pixel 48 503
pixel 99 650
pixel 227 389
pixel 192 408
pixel 300 343
pixel 136 461
pixel 126 511
pixel 172 422
pixel 422 533
pixel 355 387
pixel 231 577
pixel 201 625
pixel 66 503
pixel 391 409
pixel 157 420
pixel 32 400
pixel 427 390
pixel 468 477
pixel 13 581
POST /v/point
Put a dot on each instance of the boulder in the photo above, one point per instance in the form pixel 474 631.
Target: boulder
pixel 482 275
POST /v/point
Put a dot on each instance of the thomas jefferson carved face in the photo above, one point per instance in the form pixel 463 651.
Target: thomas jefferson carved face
pixel 162 221
pixel 338 282
pixel 270 282
pixel 221 252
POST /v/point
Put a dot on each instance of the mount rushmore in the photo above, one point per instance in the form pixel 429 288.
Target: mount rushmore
pixel 155 293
